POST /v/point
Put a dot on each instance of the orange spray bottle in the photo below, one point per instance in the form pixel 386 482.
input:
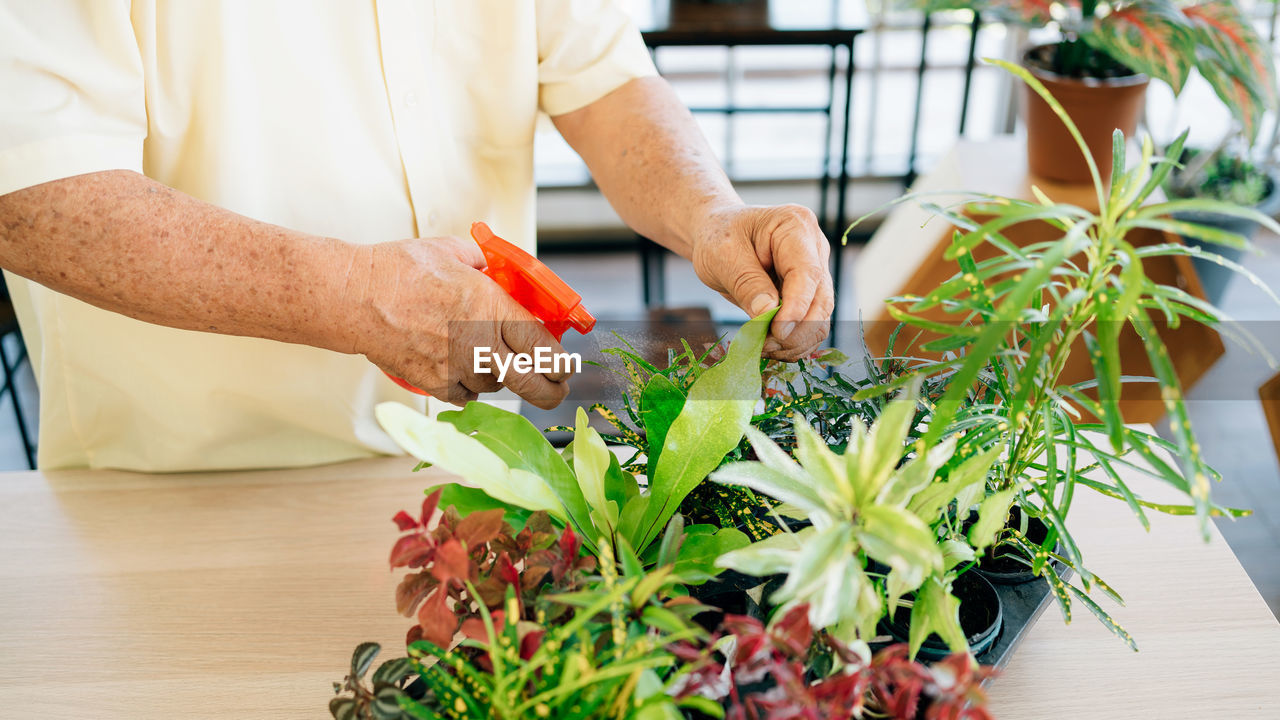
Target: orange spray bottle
pixel 532 284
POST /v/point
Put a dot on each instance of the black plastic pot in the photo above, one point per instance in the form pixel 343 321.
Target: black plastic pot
pixel 728 592
pixel 981 619
pixel 1214 277
pixel 1001 569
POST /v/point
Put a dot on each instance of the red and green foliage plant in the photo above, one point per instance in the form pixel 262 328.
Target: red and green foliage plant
pixel 1162 38
pixel 463 563
pixel 785 653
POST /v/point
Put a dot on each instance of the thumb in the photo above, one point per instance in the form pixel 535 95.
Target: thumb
pixel 753 291
pixel 465 250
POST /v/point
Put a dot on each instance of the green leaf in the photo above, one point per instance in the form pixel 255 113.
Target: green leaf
pixel 930 501
pixel 775 554
pixel 696 559
pixel 521 446
pixel 992 514
pixel 711 424
pixel 343 708
pixel 363 657
pixel 591 459
pixel 898 539
pixel 762 478
pixel 469 500
pixel 443 445
pixel 1104 617
pixel 936 610
pixel 392 671
pixel 1153 40
pixel 386 703
pixel 882 450
pixel 660 404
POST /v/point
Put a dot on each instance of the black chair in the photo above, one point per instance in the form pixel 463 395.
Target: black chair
pixel 9 328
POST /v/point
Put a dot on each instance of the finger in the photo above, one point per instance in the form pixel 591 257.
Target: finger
pixel 458 395
pixel 800 285
pixel 544 391
pixel 816 324
pixel 753 290
pixel 529 336
pixel 480 382
pixel 466 251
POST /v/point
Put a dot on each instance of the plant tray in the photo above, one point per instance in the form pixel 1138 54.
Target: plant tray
pixel 1022 605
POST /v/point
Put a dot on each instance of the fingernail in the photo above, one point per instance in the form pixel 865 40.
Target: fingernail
pixel 761 303
pixel 784 330
pixel 772 346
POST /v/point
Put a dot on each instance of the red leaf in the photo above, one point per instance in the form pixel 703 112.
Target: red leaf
pixel 404 521
pixel 429 506
pixel 569 543
pixel 438 621
pixel 451 563
pixel 506 570
pixel 479 528
pixel 411 551
pixel 530 643
pixel 412 589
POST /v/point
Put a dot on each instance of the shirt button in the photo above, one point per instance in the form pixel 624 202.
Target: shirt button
pixel 433 218
pixel 411 99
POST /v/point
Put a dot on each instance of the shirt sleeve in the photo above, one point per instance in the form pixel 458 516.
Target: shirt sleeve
pixel 586 49
pixel 74 98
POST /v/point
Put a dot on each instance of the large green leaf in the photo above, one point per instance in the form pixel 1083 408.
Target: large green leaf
pixel 467 500
pixel 591 463
pixel 660 404
pixel 443 445
pixel 1234 59
pixel 762 478
pixel 1152 38
pixel 520 445
pixel 696 559
pixel 710 424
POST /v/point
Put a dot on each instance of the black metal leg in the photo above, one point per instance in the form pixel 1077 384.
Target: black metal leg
pixel 824 179
pixel 653 276
pixel 842 190
pixel 11 385
pixel 969 62
pixel 910 176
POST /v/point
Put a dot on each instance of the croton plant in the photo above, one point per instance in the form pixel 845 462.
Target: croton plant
pixel 744 557
pixel 1165 39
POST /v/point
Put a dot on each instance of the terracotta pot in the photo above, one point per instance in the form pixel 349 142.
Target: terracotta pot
pixel 1097 106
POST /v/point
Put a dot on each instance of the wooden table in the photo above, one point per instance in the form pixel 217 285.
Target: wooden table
pixel 242 595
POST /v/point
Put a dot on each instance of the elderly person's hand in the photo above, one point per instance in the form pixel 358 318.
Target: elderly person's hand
pixel 748 254
pixel 426 308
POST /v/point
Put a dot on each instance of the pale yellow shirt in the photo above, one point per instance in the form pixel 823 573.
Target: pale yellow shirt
pixel 362 120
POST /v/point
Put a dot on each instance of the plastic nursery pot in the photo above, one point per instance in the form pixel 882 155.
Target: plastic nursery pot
pixel 1214 277
pixel 998 565
pixel 981 619
pixel 732 593
pixel 1096 105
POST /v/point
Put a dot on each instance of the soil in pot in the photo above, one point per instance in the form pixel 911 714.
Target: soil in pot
pixel 981 618
pixel 1106 96
pixel 1002 565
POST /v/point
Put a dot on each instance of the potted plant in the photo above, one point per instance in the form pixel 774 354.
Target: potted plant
pixel 561 583
pixel 1100 67
pixel 1225 173
pixel 1019 315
